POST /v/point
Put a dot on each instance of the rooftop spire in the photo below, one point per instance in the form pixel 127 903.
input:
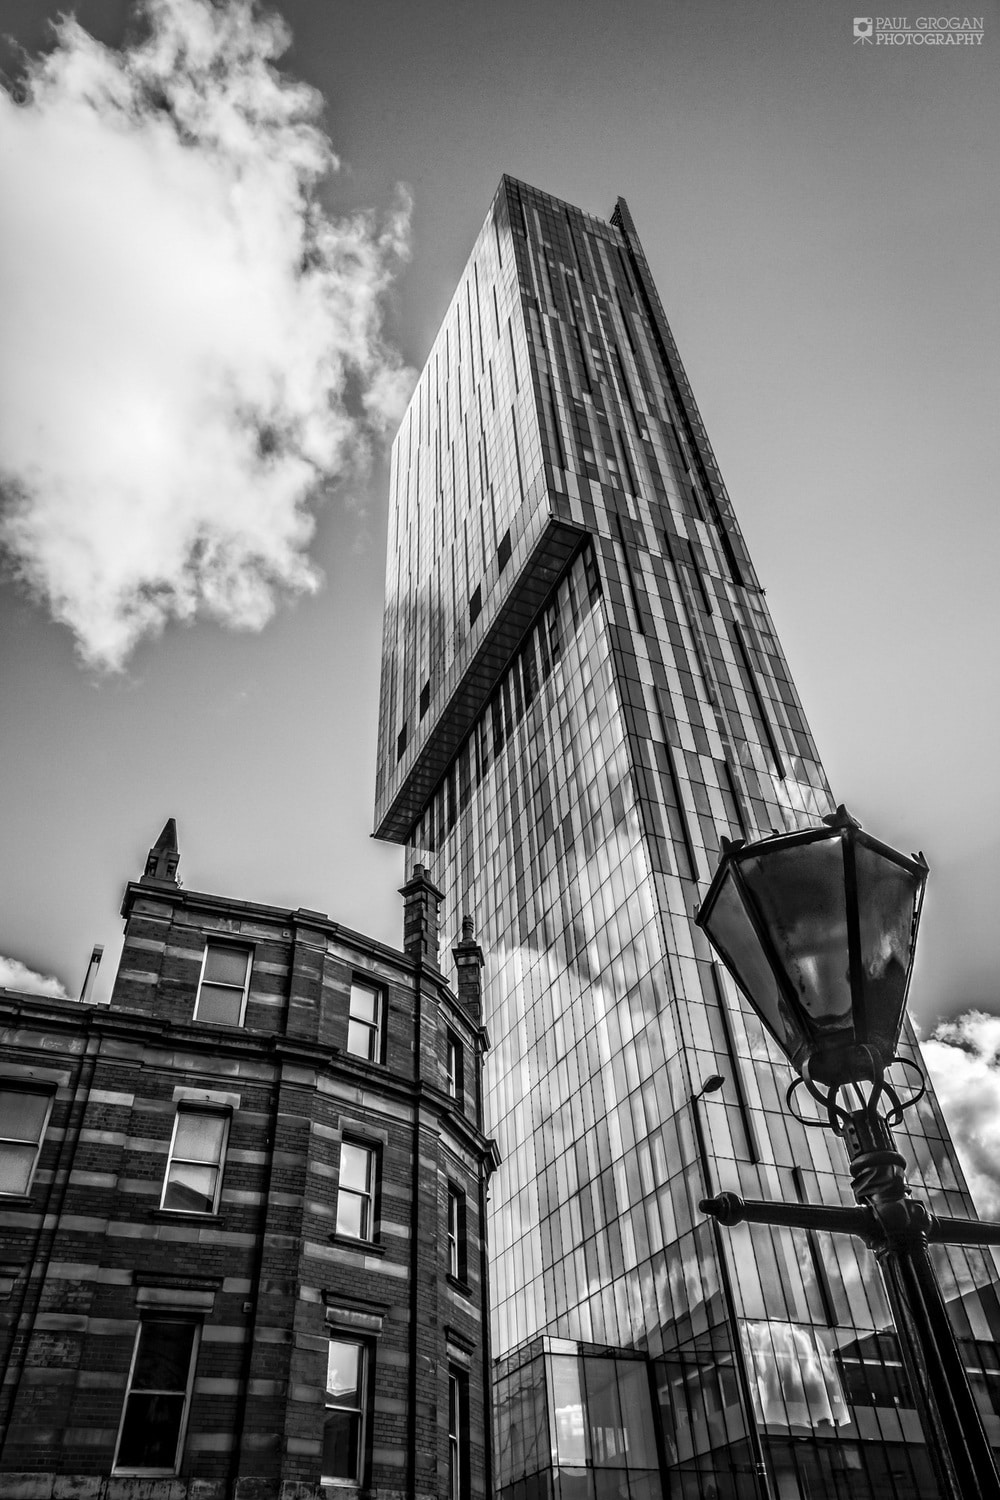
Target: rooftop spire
pixel 164 857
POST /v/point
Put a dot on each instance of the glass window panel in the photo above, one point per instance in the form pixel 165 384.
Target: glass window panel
pixel 22 1123
pixel 153 1418
pixel 22 1115
pixel 568 1435
pixel 341 1442
pixel 16 1162
pixel 164 1356
pixel 193 1173
pixel 362 1040
pixel 352 1217
pixel 223 1007
pixel 346 1400
pixel 637 1413
pixel 575 1484
pixel 455 1236
pixel 355 1198
pixel 364 1003
pixel 343 1372
pixel 607 1434
pixel 355 1166
pixel 150 1432
pixel 199 1137
pixel 226 965
pixel 191 1188
pixel 457 1423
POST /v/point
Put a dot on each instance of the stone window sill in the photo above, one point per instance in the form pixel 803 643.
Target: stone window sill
pixel 185 1216
pixel 361 1247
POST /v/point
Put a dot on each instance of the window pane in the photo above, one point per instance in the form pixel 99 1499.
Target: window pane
pixel 22 1115
pixel 191 1188
pixel 567 1409
pixel 199 1137
pixel 16 1163
pixel 454 1068
pixel 607 1436
pixel 355 1167
pixel 362 1041
pixel 341 1442
pixel 150 1432
pixel 223 1007
pixel 352 1215
pixel 364 1003
pixel 164 1356
pixel 227 965
pixel 342 1430
pixel 343 1373
pixel 640 1439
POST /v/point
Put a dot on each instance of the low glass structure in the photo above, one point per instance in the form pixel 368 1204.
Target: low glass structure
pixel 577 1424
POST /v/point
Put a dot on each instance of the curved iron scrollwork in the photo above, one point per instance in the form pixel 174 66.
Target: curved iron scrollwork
pixel 838 1116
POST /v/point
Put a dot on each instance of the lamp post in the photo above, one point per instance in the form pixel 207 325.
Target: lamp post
pixel 762 1483
pixel 818 928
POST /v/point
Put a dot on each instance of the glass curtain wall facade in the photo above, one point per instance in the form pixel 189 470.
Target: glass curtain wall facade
pixel 582 692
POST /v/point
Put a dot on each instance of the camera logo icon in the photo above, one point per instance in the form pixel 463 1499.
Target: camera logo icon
pixel 863 27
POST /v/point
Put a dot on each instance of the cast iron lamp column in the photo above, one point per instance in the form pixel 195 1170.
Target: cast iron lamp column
pixel 818 928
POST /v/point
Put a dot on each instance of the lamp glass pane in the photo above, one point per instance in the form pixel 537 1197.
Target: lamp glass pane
pixel 887 900
pixel 732 932
pixel 799 891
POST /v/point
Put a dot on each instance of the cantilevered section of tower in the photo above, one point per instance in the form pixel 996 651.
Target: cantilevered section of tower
pixel 582 693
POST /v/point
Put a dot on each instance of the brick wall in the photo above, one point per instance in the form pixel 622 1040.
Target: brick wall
pixel 88 1250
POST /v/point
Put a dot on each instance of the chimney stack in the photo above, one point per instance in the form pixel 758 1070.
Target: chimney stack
pixel 421 908
pixel 469 961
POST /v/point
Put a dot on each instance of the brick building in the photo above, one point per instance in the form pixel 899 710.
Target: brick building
pixel 240 1213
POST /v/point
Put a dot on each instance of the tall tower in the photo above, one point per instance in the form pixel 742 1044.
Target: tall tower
pixel 581 693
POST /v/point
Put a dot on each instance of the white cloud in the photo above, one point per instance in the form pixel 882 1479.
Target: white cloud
pixel 14 975
pixel 964 1060
pixel 183 326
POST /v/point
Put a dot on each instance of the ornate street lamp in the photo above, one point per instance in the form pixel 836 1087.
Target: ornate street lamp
pixel 818 928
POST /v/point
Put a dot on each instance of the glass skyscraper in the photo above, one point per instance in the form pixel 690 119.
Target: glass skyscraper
pixel 582 692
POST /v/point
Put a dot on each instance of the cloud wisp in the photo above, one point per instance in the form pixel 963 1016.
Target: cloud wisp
pixel 964 1060
pixel 14 975
pixel 192 347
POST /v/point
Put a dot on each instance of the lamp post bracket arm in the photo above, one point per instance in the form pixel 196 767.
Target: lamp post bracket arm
pixel 963 1231
pixel 730 1208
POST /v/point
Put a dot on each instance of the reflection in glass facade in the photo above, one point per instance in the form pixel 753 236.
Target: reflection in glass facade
pixel 578 1424
pixel 582 692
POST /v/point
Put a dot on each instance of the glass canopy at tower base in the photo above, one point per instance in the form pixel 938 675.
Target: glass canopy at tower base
pixel 582 694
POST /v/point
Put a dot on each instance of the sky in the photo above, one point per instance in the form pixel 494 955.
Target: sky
pixel 221 261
